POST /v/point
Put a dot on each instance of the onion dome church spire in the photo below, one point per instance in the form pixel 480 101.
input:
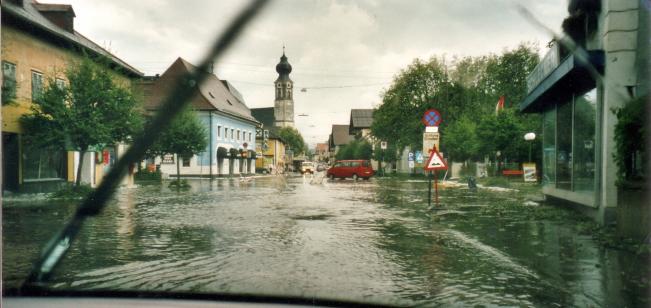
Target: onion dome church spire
pixel 284 103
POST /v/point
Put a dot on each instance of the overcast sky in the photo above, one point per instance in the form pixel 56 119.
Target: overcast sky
pixel 344 52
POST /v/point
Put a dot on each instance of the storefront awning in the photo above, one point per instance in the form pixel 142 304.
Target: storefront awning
pixel 569 77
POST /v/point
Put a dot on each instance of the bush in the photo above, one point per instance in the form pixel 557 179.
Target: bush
pixel 631 154
pixel 179 184
pixel 72 192
pixel 145 175
pixel 496 181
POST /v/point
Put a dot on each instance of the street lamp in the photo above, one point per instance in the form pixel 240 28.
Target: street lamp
pixel 530 137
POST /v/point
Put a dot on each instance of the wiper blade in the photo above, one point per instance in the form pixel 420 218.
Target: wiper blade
pixel 171 106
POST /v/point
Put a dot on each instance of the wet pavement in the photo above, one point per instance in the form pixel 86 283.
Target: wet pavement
pixel 372 241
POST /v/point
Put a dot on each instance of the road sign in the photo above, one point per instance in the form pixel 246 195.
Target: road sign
pixel 383 145
pixel 419 157
pixel 431 118
pixel 410 157
pixel 435 162
pixel 430 140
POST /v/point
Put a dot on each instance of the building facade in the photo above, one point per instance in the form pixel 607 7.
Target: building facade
pixel 39 41
pixel 284 102
pixel 227 120
pixel 576 93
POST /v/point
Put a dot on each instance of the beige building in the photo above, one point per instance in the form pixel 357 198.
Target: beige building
pixel 39 41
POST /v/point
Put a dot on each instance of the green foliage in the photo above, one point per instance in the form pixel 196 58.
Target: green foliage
pixel 92 110
pixel 293 139
pixel 185 137
pixel 145 175
pixel 179 184
pixel 356 149
pixel 465 92
pixel 72 192
pixel 461 139
pixel 388 155
pixel 631 140
pixel 496 181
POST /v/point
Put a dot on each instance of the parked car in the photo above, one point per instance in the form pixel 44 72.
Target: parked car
pixel 307 167
pixel 351 169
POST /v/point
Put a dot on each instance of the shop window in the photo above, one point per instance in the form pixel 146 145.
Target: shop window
pixel 549 146
pixel 37 85
pixel 186 162
pixel 41 164
pixel 564 146
pixel 585 116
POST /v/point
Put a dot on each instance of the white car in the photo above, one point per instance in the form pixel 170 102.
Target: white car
pixel 307 167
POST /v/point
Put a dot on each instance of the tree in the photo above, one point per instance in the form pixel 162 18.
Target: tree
pixel 356 149
pixel 293 138
pixel 91 110
pixel 461 140
pixel 185 137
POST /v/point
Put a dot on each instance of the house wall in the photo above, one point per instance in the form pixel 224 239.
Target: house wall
pixel 30 53
pixel 274 155
pixel 205 163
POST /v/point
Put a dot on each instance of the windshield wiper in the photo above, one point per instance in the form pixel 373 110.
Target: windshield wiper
pixel 171 106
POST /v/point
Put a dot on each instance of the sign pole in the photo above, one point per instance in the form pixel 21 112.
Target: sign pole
pixel 436 188
pixel 429 192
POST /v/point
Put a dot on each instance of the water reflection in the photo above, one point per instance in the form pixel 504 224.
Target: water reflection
pixel 366 240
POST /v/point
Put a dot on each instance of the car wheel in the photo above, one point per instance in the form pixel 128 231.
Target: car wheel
pixel 366 179
pixel 354 177
pixel 332 177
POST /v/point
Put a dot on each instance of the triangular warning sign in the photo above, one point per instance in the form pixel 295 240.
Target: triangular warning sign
pixel 435 162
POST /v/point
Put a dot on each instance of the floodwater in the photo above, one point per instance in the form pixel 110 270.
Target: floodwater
pixel 370 241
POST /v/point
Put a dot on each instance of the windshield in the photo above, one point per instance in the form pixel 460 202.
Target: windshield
pixel 483 153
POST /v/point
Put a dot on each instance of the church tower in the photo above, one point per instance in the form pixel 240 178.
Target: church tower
pixel 284 103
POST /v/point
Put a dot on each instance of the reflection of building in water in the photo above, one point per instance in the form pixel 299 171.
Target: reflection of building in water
pixel 578 124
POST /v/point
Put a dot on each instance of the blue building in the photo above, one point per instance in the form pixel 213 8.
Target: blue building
pixel 231 128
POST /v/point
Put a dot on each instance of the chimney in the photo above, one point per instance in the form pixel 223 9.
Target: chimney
pixel 62 15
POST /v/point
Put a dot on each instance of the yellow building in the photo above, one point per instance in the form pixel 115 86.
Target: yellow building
pixel 39 41
pixel 273 157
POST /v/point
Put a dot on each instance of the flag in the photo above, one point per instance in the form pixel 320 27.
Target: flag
pixel 500 104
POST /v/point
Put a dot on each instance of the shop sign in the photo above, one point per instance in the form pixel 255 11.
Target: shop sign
pixel 546 66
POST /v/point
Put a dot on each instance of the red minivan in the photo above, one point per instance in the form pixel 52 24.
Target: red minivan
pixel 351 169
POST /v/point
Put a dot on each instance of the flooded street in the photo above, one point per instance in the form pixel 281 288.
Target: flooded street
pixel 365 241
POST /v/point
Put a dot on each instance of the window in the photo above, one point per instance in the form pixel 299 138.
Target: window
pixel 60 83
pixel 354 164
pixel 564 146
pixel 549 147
pixel 585 116
pixel 238 134
pixel 186 162
pixel 225 133
pixel 37 85
pixel 250 136
pixel 219 131
pixel 8 81
pixel 43 164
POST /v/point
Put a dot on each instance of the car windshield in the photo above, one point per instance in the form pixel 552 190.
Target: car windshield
pixel 484 153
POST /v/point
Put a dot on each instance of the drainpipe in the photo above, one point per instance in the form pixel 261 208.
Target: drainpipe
pixel 210 149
